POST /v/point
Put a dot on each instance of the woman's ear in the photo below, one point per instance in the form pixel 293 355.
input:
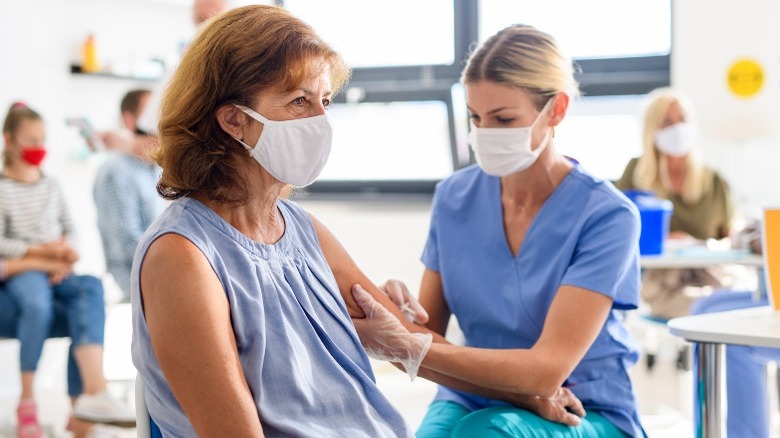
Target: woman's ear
pixel 559 107
pixel 231 120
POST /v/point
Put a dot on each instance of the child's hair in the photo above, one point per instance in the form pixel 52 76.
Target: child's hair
pixel 18 113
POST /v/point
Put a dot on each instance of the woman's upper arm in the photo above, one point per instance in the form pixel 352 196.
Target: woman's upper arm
pixel 347 274
pixel 188 317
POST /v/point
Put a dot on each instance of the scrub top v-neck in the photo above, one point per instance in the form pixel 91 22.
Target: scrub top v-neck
pixel 585 234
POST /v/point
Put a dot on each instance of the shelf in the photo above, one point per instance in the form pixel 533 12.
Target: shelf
pixel 76 70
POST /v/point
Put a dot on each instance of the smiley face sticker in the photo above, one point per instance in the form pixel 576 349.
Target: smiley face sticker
pixel 745 77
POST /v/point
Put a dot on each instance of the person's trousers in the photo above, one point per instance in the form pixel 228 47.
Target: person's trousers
pixel 747 392
pixel 446 419
pixel 79 298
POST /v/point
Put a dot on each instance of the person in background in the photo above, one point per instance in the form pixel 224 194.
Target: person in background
pixel 671 167
pixel 35 222
pixel 534 256
pixel 125 195
pixel 233 278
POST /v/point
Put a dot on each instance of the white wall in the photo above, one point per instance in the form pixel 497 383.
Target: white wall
pixel 741 137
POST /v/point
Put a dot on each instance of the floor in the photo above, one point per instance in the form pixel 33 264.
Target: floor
pixel 664 392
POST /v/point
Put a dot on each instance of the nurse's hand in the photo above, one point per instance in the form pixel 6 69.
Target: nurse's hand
pixel 399 294
pixel 385 338
pixel 563 407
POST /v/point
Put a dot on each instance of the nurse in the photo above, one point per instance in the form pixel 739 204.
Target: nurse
pixel 532 254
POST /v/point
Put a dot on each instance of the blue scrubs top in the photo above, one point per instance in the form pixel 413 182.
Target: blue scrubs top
pixel 586 235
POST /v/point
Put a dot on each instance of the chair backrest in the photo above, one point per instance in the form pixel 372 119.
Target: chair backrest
pixel 145 426
pixel 143 420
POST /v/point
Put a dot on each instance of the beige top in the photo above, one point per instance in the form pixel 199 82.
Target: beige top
pixel 710 217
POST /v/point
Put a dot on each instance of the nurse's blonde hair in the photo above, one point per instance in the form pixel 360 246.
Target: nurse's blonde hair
pixel 652 172
pixel 523 57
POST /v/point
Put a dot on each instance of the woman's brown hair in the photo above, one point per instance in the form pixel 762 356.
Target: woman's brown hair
pixel 236 55
pixel 17 114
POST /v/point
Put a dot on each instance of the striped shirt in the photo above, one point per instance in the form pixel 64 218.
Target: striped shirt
pixel 31 213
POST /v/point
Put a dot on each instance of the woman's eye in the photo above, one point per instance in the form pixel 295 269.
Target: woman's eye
pixel 299 101
pixel 325 103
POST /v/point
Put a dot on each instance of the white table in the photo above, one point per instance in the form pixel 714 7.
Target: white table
pixel 699 257
pixel 757 327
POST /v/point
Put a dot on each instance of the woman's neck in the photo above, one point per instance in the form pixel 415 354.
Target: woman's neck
pixel 529 189
pixel 22 172
pixel 259 218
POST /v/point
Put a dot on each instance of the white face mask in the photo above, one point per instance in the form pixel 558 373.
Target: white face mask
pixel 293 151
pixel 503 151
pixel 676 140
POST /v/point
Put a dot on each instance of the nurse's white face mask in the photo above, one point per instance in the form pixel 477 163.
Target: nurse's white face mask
pixel 293 151
pixel 503 151
pixel 676 140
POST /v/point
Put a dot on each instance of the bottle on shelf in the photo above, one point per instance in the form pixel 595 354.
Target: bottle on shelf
pixel 90 62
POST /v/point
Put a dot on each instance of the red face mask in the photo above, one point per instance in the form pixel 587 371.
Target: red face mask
pixel 34 156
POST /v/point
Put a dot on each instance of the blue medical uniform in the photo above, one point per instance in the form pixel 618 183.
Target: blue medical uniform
pixel 586 235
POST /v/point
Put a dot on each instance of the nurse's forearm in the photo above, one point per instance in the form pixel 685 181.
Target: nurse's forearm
pixel 520 400
pixel 512 371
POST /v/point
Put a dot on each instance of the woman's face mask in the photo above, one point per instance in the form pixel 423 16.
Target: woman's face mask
pixel 503 151
pixel 293 151
pixel 676 140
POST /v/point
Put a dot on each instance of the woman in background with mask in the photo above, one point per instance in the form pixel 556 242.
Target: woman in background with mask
pixel 671 167
pixel 532 254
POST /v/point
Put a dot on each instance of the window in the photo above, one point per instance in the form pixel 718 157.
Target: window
pixel 392 33
pixel 603 133
pixel 613 29
pixel 400 124
pixel 381 141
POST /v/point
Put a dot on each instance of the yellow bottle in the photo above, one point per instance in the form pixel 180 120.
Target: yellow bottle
pixel 89 49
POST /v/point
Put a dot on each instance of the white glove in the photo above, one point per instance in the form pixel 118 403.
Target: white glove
pixel 399 294
pixel 385 338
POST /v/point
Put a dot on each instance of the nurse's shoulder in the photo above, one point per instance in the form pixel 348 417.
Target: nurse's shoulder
pixel 460 188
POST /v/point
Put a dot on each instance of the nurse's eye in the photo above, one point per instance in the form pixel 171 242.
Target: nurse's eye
pixel 505 120
pixel 474 118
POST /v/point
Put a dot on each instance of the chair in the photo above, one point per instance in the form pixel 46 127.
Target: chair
pixel 145 426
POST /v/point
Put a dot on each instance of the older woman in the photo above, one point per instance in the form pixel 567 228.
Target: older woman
pixel 239 327
pixel 532 254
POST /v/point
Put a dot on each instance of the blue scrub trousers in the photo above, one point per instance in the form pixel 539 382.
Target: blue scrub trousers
pixel 746 384
pixel 447 419
pixel 31 310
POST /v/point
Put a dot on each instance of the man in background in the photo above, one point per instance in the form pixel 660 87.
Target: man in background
pixel 125 194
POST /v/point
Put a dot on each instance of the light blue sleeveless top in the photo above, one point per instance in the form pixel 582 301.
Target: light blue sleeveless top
pixel 301 356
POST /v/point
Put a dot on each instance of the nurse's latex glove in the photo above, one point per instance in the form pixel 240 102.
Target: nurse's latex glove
pixel 385 338
pixel 399 294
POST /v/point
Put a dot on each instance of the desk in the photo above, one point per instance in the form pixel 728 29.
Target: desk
pixel 757 327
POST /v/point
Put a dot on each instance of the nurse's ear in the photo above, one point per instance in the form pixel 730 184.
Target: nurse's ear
pixel 559 106
pixel 232 120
